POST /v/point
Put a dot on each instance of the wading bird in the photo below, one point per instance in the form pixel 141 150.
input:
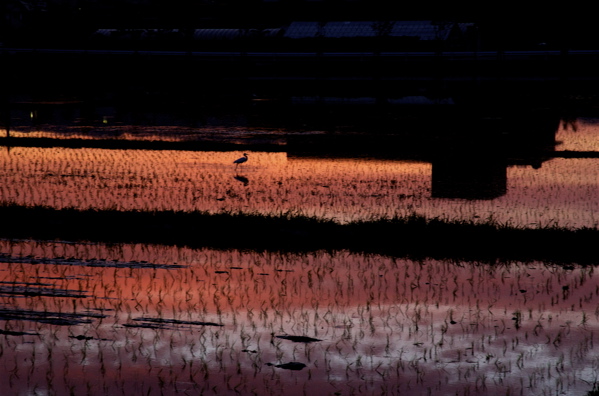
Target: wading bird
pixel 240 160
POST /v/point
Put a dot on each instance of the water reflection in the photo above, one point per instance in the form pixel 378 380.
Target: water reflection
pixel 143 319
pixel 559 192
pixel 242 179
pixel 377 161
pixel 178 320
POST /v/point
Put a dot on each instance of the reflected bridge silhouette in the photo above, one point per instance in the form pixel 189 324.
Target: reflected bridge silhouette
pixel 469 178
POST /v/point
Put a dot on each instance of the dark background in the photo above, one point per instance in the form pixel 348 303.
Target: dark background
pixel 499 25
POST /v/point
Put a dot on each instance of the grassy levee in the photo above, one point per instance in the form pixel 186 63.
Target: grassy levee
pixel 412 236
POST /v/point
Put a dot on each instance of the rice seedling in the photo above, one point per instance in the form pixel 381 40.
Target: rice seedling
pixel 170 319
pixel 323 320
pixel 558 194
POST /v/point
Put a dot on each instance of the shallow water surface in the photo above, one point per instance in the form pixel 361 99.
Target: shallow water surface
pixel 122 319
pixel 547 175
pixel 561 192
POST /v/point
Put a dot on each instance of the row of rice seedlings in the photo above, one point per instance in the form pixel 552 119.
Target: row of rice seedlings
pixel 345 190
pixel 394 324
pixel 176 184
pixel 582 135
pixel 558 194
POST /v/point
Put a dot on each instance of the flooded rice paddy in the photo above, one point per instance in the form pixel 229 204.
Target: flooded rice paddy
pixel 560 191
pixel 88 318
pixel 142 319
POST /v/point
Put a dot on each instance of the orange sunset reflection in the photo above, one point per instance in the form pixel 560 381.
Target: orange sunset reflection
pixel 578 135
pixel 559 192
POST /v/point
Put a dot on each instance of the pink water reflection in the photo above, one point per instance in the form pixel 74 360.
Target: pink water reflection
pixel 386 325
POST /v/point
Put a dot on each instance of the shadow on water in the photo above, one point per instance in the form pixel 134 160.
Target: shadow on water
pixel 469 178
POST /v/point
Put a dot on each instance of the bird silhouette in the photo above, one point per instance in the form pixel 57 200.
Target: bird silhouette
pixel 240 160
